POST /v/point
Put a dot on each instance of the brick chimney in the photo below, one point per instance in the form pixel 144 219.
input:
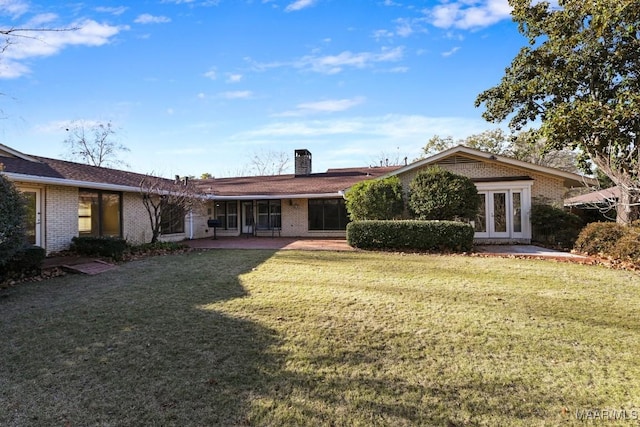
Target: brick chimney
pixel 303 162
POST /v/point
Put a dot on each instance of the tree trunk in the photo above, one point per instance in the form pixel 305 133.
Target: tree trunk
pixel 628 209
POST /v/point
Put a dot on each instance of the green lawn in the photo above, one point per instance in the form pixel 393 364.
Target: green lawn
pixel 322 338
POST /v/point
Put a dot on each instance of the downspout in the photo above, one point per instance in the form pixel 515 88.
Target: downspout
pixel 190 225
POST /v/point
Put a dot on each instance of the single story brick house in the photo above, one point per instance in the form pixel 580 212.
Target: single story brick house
pixel 68 199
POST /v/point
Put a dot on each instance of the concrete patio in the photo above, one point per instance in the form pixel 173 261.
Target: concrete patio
pixel 311 244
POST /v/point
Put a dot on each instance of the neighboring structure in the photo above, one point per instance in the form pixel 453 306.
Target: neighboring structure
pixel 69 199
pixel 595 206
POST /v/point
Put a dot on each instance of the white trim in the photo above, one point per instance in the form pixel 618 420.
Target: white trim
pixel 18 154
pixel 489 157
pixel 38 226
pixel 337 194
pixel 69 182
pixel 508 187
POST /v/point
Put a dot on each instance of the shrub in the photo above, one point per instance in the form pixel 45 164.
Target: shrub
pixel 599 238
pixel 376 199
pixel 554 226
pixel 436 193
pixel 157 247
pixel 12 219
pixel 99 246
pixel 443 236
pixel 24 263
pixel 628 246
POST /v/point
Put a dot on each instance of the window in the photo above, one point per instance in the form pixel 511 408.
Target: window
pixel 171 219
pixel 269 214
pixel 517 212
pixel 327 214
pixel 99 213
pixel 227 214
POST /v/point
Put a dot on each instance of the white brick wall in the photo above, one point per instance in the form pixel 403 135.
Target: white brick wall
pixel 60 217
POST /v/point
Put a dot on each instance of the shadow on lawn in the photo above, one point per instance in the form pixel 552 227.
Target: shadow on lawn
pixel 131 347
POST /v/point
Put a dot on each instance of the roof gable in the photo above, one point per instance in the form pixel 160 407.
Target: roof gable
pixel 462 154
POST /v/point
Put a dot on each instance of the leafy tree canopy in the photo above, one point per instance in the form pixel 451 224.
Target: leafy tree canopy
pixel 578 76
pixel 376 199
pixel 524 145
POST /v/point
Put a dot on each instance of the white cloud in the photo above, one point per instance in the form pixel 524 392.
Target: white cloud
pixel 360 136
pixel 299 5
pixel 239 94
pixel 211 74
pixel 326 106
pixel 451 52
pixel 26 45
pixel 112 10
pixel 234 78
pixel 41 20
pixel 13 8
pixel 146 18
pixel 333 64
pixel 469 14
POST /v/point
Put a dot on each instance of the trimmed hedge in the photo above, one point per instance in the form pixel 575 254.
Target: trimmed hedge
pixel 445 236
pixel 99 246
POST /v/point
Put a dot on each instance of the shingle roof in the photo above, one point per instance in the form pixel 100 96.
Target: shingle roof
pixel 61 169
pixel 594 198
pixel 332 181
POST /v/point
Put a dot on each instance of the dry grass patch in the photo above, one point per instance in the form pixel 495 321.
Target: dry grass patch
pixel 321 338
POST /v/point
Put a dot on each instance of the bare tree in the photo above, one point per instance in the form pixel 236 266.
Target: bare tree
pixel 162 197
pixel 268 162
pixel 525 145
pixel 27 33
pixel 94 143
pixel 389 159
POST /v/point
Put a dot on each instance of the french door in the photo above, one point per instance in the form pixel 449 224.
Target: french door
pixel 500 214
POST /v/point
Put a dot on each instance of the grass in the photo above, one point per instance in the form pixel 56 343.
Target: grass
pixel 322 338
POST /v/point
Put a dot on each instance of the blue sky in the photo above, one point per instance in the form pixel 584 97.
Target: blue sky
pixel 202 85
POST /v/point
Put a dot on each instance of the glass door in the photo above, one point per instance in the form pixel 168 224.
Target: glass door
pixel 32 220
pixel 499 224
pixel 247 218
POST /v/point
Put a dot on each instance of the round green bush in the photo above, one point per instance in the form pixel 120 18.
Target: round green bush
pixel 436 193
pixel 375 199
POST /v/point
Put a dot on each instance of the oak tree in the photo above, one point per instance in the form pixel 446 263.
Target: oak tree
pixel 578 79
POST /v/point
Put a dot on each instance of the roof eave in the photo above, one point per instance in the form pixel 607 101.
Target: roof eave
pixel 33 179
pixel 277 196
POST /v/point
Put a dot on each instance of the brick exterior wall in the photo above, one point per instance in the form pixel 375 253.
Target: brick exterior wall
pixel 136 228
pixel 543 186
pixel 60 217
